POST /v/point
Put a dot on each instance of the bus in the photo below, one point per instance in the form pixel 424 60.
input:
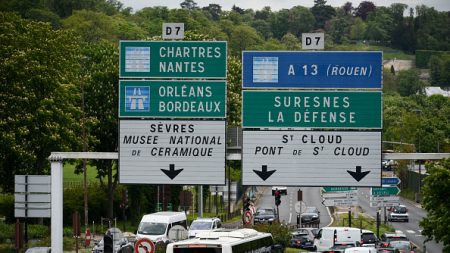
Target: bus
pixel 243 240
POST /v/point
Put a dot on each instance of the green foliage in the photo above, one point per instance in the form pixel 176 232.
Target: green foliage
pixel 423 57
pixel 7 231
pixel 243 37
pixel 40 98
pixel 234 73
pixel 280 232
pixel 7 207
pixel 435 191
pixel 409 83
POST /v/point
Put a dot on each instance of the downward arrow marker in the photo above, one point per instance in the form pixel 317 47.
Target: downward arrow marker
pixel 171 172
pixel 264 174
pixel 358 175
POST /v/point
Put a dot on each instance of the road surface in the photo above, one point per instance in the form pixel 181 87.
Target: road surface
pixel 411 229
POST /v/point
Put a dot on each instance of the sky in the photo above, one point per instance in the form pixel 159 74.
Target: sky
pixel 276 5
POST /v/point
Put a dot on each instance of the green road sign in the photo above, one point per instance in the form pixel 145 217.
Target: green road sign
pixel 173 59
pixel 180 98
pixel 338 189
pixel 312 109
pixel 385 191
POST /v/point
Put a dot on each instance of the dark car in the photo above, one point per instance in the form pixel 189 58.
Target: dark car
pixel 402 246
pixel 386 238
pixel 368 238
pixel 303 239
pixel 387 250
pixel 265 215
pixel 310 215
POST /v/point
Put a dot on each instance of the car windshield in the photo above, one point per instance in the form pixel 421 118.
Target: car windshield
pixel 401 209
pixel 368 237
pixel 310 210
pixel 152 228
pixel 201 225
pixel 265 211
pixel 401 245
pixel 397 238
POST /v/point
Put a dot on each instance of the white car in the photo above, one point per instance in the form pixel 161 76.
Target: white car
pixel 398 213
pixel 203 224
pixel 361 250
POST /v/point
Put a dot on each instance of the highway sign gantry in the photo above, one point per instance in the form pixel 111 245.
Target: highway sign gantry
pixel 311 158
pixel 277 70
pixel 180 98
pixel 384 191
pixel 312 109
pixel 173 59
pixel 172 152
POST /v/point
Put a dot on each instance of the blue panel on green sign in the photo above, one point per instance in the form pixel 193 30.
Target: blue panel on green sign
pixel 173 59
pixel 263 69
pixel 174 99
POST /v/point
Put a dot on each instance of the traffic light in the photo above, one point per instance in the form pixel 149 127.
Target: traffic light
pixel 277 198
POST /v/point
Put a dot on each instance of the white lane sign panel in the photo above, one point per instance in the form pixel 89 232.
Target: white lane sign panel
pixel 172 152
pixel 311 158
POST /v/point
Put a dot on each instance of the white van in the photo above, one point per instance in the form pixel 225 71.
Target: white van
pixel 156 226
pixel 329 237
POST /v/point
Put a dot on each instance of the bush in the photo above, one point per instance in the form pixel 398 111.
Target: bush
pixel 6 232
pixel 280 232
pixel 7 207
pixel 423 57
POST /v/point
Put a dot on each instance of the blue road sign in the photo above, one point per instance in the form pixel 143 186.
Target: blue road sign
pixel 390 181
pixel 270 69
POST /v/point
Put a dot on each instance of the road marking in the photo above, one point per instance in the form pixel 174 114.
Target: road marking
pixel 410 231
pixel 290 218
pixel 398 231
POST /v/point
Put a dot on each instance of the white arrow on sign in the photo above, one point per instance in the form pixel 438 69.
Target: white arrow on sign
pixel 340 202
pixel 346 194
pixel 385 198
pixel 383 204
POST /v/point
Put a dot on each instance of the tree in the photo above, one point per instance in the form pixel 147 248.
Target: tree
pixel 409 83
pixel 348 8
pixel 435 191
pixel 358 29
pixel 214 10
pixel 234 95
pixel 40 108
pixel 340 27
pixel 278 21
pixel 322 13
pixel 100 64
pixel 379 25
pixel 364 9
pixel 189 5
pixel 243 37
pixel 300 20
pixel 291 42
